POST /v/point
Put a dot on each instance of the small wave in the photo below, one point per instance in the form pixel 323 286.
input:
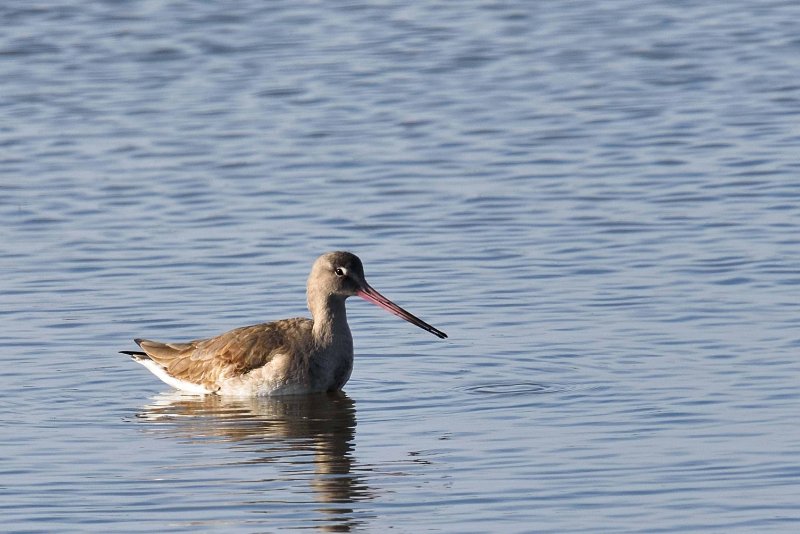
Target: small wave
pixel 512 388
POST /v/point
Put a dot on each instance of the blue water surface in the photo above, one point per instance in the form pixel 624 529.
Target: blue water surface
pixel 599 202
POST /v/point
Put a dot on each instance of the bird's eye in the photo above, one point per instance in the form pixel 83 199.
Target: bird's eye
pixel 339 271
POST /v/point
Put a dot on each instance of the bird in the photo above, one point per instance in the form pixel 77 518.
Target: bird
pixel 289 356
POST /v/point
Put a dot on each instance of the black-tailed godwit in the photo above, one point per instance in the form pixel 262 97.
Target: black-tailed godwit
pixel 283 357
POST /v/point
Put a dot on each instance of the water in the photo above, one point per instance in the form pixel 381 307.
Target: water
pixel 598 202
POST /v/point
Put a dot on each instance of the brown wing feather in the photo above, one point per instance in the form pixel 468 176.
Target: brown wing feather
pixel 234 353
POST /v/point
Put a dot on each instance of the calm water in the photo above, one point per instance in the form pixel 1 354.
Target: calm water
pixel 598 201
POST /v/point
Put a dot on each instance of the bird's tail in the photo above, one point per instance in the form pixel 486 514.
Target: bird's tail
pixel 136 354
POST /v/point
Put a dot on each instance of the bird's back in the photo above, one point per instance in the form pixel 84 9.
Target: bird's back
pixel 282 348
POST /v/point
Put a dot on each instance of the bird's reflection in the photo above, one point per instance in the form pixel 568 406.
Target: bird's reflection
pixel 276 429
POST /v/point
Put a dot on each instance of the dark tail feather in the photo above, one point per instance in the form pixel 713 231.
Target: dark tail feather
pixel 135 354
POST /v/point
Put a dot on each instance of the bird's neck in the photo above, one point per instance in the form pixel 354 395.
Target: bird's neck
pixel 330 319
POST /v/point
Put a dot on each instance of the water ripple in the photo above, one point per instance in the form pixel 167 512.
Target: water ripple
pixel 512 389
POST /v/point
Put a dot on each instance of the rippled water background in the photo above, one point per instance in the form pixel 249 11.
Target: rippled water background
pixel 598 201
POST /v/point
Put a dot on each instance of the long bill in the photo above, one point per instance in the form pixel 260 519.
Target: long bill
pixel 369 294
